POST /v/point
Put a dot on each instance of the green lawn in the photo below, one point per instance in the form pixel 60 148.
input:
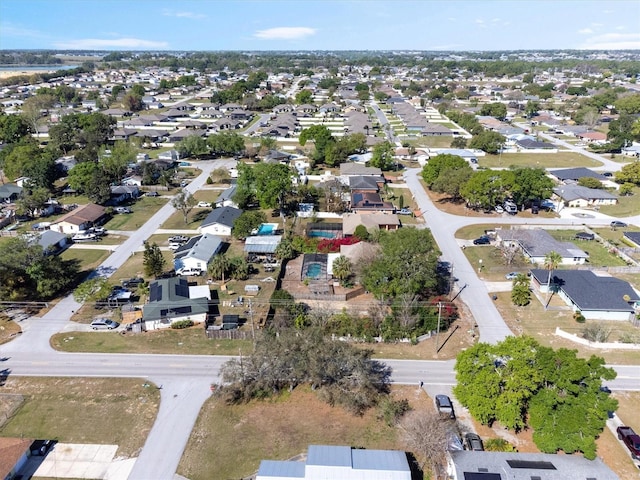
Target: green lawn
pixel 542 160
pixel 88 259
pixel 626 206
pixel 144 208
pixel 194 219
pixel 84 410
pixel 599 255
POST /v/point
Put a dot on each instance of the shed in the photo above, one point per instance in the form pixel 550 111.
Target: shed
pixel 262 244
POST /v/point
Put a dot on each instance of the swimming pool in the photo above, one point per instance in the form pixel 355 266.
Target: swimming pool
pixel 267 228
pixel 314 270
pixel 321 234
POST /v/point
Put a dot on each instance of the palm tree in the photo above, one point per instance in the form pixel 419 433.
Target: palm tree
pixel 342 268
pixel 551 262
pixel 219 266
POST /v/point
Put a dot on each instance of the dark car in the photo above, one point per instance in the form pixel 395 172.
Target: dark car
pixel 584 236
pixel 618 224
pixel 444 406
pixel 482 241
pixel 39 448
pixel 132 282
pixel 473 442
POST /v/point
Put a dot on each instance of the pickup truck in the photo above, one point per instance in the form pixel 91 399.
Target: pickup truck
pixel 630 439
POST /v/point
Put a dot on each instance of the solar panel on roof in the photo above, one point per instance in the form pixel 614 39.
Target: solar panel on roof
pixel 182 289
pixel 155 292
pixel 535 465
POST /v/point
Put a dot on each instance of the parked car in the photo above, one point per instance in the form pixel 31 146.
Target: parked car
pixel 511 275
pixel 104 323
pixel 203 205
pixel 404 211
pixel 607 174
pixel 472 441
pixel 122 210
pixel 499 209
pixel 152 194
pixel 444 406
pixel 484 240
pixel 100 231
pixel 630 439
pixel 186 272
pixel 618 224
pixel 39 448
pixel 510 207
pixel 173 246
pixel 584 236
pixel 132 282
pixel 178 239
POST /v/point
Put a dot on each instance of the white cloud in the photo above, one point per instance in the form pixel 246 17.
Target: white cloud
pixel 612 41
pixel 621 27
pixel 97 43
pixel 480 23
pixel 585 31
pixel 11 30
pixel 285 33
pixel 191 15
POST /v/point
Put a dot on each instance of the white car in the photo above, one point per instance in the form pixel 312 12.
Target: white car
pixel 203 205
pixel 122 210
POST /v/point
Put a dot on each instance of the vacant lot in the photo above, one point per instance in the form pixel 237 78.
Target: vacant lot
pixel 626 206
pixel 541 160
pixel 141 210
pixel 231 440
pixel 84 410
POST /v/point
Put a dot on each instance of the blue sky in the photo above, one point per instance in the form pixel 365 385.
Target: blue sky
pixel 319 24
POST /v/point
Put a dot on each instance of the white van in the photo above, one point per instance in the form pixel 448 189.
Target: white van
pixel 510 207
pixel 186 272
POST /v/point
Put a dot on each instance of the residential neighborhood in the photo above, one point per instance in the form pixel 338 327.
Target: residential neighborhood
pixel 250 224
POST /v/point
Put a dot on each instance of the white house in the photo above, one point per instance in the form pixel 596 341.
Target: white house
pixel 579 197
pixel 536 243
pixel 220 221
pixel 225 199
pixel 172 300
pixel 197 252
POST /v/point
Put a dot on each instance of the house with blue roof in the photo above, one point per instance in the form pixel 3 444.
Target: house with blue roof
pixel 197 252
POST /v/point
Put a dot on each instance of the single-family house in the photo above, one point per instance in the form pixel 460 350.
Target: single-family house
pixel 536 243
pixel 14 453
pixel 371 221
pixel 593 137
pixel 81 218
pixel 345 463
pixel 220 221
pixel 225 199
pixel 578 196
pixel 348 169
pixel 169 155
pixel 572 175
pixel 595 297
pixel 535 146
pixel 363 201
pixel 170 300
pixel 9 192
pixel 197 252
pixel 366 183
pixel 474 465
pixel 123 193
pixel 52 242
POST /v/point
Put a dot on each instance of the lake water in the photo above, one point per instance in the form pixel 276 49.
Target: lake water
pixel 29 68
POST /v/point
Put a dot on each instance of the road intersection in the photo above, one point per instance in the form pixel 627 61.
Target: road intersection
pixel 185 379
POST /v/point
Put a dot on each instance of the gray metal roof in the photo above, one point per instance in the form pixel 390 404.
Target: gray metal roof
pixel 279 469
pixel 576 173
pixel 384 460
pixel 329 455
pixel 224 216
pixel 262 243
pixel 589 291
pixel 566 467
pixel 537 243
pixel 49 237
pixel 201 247
pixel 575 192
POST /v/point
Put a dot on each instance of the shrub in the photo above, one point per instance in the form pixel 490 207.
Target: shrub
pixel 498 445
pixel 391 411
pixel 597 333
pixel 182 324
pixel 578 317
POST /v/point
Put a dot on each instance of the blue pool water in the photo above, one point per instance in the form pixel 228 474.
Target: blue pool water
pixel 265 229
pixel 321 234
pixel 314 270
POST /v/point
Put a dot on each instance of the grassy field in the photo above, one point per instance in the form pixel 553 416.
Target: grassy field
pixel 144 208
pixel 599 256
pixel 88 259
pixel 231 440
pixel 8 329
pixel 626 206
pixel 191 341
pixel 194 219
pixel 542 160
pixel 84 410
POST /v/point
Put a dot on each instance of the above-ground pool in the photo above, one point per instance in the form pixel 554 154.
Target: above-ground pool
pixel 314 270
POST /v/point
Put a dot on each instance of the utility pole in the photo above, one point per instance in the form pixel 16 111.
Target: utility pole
pixel 438 330
pixel 253 331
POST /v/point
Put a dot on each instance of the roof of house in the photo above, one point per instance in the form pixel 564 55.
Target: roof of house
pixel 525 466
pixel 227 194
pixel 224 216
pixel 169 297
pixel 281 469
pixel 575 173
pixel 590 291
pixel 89 212
pixel 576 192
pixel 365 182
pixel 534 144
pixel 201 247
pixel 49 238
pixel 369 201
pixel 537 243
pixel 262 243
pixel 9 189
pixel 633 236
pixel 370 220
pixel 11 450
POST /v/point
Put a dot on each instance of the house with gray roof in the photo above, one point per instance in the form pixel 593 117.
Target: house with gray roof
pixel 349 169
pixel 172 300
pixel 220 221
pixel 345 463
pixel 9 192
pixel 473 465
pixel 596 297
pixel 225 199
pixel 579 197
pixel 572 175
pixel 536 243
pixel 197 252
pixel 52 242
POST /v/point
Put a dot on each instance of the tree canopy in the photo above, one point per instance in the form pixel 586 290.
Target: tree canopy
pixel 442 163
pixel 521 384
pixel 488 141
